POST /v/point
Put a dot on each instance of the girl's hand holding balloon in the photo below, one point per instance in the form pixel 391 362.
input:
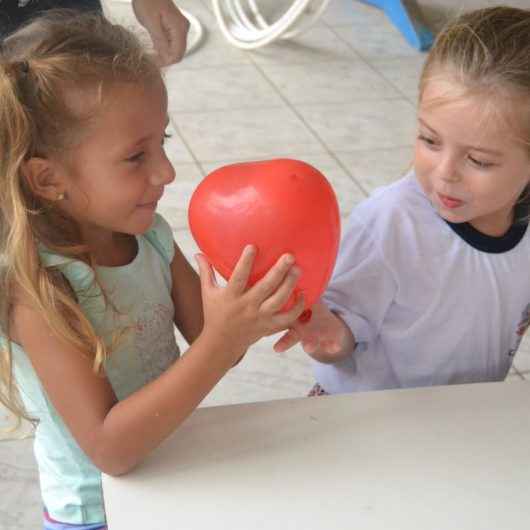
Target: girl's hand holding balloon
pixel 237 315
pixel 325 337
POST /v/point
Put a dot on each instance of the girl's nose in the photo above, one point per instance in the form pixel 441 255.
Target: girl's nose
pixel 448 169
pixel 451 177
pixel 163 173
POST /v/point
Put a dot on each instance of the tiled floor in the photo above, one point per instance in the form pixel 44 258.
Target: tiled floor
pixel 341 97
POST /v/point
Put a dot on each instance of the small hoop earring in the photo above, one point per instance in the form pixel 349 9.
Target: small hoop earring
pixel 60 197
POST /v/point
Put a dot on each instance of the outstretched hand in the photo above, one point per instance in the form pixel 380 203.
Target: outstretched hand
pixel 167 27
pixel 325 337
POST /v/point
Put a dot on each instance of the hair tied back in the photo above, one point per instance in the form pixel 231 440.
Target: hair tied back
pixel 24 67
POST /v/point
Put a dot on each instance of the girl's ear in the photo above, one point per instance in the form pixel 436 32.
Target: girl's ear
pixel 44 179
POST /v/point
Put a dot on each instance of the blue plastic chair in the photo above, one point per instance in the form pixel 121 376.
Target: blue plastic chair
pixel 407 17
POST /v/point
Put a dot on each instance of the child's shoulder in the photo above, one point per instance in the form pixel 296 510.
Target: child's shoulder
pixel 160 236
pixel 398 221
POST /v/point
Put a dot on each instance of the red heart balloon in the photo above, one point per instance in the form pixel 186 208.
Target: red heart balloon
pixel 280 206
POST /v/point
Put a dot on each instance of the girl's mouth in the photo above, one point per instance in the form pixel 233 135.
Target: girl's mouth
pixel 450 202
pixel 148 206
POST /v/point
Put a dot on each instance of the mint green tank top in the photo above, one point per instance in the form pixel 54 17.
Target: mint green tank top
pixel 141 293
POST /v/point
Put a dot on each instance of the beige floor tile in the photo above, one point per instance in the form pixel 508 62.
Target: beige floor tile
pixel 345 13
pixel 176 150
pixel 245 134
pixel 264 374
pixel 221 88
pixel 385 41
pixel 402 73
pixel 20 504
pixel 317 45
pixel 331 82
pixel 362 125
pixel 378 167
pixel 216 52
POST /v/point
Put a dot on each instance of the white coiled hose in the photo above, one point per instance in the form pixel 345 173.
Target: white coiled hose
pixel 244 26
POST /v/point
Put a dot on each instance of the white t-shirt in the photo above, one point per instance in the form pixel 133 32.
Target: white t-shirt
pixel 429 303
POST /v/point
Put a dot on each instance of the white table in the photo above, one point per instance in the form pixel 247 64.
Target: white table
pixel 451 458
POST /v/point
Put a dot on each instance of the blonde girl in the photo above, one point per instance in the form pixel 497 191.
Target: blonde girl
pixel 432 283
pixel 91 280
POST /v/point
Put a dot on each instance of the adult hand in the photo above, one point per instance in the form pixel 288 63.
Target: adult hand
pixel 167 27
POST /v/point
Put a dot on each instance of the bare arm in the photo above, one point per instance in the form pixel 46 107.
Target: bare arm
pixel 118 435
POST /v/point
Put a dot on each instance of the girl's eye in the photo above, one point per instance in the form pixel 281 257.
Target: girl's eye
pixel 481 164
pixel 136 158
pixel 427 140
pixel 167 135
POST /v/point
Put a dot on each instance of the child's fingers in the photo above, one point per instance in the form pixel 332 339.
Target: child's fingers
pixel 321 349
pixel 286 341
pixel 286 319
pixel 206 273
pixel 330 346
pixel 310 345
pixel 275 302
pixel 274 277
pixel 239 279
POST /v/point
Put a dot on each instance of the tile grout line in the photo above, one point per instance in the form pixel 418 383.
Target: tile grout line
pixel 368 63
pixel 250 158
pixel 186 145
pixel 272 106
